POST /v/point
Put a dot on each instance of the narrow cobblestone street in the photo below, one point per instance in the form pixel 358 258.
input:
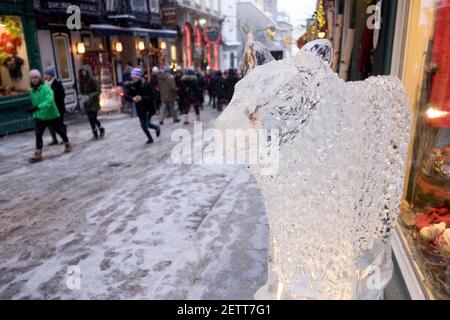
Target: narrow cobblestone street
pixel 137 225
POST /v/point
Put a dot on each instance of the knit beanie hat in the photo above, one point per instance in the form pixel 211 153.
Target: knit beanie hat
pixel 136 73
pixel 35 73
pixel 50 71
pixel 166 68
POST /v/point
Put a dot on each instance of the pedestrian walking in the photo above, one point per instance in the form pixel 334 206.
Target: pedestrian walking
pixel 201 88
pixel 59 94
pixel 45 114
pixel 190 92
pixel 168 91
pixel 220 90
pixel 210 88
pixel 230 83
pixel 90 90
pixel 140 92
pixel 154 80
pixel 180 91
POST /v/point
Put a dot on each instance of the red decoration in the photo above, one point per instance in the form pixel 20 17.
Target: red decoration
pixel 9 44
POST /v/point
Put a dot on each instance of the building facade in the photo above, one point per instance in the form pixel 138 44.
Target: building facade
pixel 198 24
pixel 270 28
pixel 231 45
pixel 18 54
pixel 113 34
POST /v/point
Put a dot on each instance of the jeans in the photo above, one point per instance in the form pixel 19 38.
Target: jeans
pixel 168 106
pixel 93 121
pixel 56 124
pixel 146 123
pixel 53 132
pixel 133 109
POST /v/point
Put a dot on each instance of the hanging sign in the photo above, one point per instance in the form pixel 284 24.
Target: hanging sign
pixel 212 36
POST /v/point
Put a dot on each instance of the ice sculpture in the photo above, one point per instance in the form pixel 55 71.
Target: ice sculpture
pixel 335 199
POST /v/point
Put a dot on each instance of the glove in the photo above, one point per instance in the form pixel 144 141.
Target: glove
pixel 32 109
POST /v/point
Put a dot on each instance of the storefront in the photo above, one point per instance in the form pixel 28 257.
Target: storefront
pixel 424 228
pixel 199 41
pixel 411 40
pixel 362 33
pixel 60 47
pixel 18 54
pixel 121 49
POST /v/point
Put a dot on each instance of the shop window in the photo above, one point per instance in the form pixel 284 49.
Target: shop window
pixel 425 217
pixel 138 5
pixel 154 6
pixel 62 55
pixel 14 68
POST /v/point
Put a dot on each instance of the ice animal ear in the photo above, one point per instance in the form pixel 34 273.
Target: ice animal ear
pixel 255 54
pixel 321 48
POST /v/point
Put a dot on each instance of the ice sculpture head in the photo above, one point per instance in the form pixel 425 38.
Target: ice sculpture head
pixel 272 102
pixel 335 197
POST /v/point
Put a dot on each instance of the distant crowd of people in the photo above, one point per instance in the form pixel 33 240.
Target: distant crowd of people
pixel 165 92
pixel 172 93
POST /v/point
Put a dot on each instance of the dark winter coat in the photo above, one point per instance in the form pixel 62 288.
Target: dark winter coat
pixel 59 94
pixel 230 82
pixel 142 88
pixel 154 80
pixel 201 87
pixel 190 86
pixel 90 87
pixel 219 86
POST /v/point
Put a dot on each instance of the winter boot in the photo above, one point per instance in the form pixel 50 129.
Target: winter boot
pixel 158 132
pixel 102 132
pixel 186 119
pixel 95 137
pixel 53 143
pixel 150 140
pixel 37 157
pixel 67 147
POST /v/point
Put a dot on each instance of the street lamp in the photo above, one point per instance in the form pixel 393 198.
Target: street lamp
pixel 81 48
pixel 202 21
pixel 119 47
pixel 141 45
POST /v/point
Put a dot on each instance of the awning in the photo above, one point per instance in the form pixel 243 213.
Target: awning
pixel 110 30
pixel 231 43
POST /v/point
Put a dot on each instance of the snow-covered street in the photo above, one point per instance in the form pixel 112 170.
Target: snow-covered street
pixel 137 225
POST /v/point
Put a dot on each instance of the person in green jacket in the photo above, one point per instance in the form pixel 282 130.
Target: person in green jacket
pixel 90 91
pixel 45 114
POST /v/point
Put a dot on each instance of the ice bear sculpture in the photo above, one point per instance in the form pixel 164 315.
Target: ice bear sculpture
pixel 334 200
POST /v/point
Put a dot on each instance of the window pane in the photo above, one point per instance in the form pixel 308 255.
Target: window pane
pixel 62 58
pixel 14 69
pixel 425 218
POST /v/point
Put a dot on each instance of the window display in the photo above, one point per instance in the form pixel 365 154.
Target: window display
pixel 425 222
pixel 13 57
